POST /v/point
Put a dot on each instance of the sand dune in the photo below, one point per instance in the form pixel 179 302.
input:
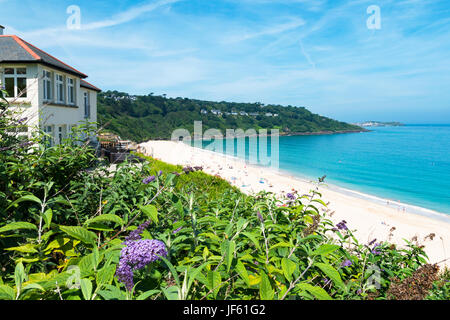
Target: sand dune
pixel 370 216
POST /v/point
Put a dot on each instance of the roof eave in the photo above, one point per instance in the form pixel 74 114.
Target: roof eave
pixel 81 75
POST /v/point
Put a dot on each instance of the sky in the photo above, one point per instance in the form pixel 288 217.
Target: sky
pixel 325 55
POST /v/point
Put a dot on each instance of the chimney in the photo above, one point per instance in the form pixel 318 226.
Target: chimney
pixel 1 30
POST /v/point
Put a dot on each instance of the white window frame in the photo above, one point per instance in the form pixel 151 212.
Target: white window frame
pixel 47 85
pixel 71 91
pixel 16 76
pixel 60 92
pixel 87 105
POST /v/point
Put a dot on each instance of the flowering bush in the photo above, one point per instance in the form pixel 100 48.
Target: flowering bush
pixel 72 229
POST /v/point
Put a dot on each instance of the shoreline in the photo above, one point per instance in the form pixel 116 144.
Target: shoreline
pixel 369 215
pixel 281 134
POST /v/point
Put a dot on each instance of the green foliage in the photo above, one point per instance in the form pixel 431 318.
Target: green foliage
pixel 62 230
pixel 141 118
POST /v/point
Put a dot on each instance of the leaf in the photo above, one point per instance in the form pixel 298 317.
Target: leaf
pixel 106 218
pixel 28 197
pixel 194 274
pixel 86 288
pixel 48 215
pixel 288 266
pixel 317 292
pixel 325 249
pixel 105 275
pixel 18 226
pixel 95 258
pixel 280 244
pixel 171 293
pixel 230 248
pixel 213 282
pixel 112 293
pixel 254 280
pixel 147 294
pixel 19 276
pixel 252 238
pixel 172 270
pixel 32 286
pixel 7 293
pixel 266 291
pixel 80 233
pixel 332 273
pixel 151 212
pixel 240 268
pixel 27 248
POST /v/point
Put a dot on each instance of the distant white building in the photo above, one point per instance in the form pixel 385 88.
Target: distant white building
pixel 52 95
pixel 204 111
pixel 268 114
pixel 216 112
pixel 243 113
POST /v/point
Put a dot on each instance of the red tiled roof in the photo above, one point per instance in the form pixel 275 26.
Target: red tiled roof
pixel 14 49
pixel 87 85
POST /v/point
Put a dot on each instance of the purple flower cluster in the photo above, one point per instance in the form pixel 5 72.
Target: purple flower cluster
pixel 136 254
pixel 177 230
pixel 326 281
pixel 136 234
pixel 290 196
pixel 375 250
pixel 149 179
pixel 260 217
pixel 347 263
pixel 342 225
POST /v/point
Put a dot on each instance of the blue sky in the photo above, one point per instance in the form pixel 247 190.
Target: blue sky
pixel 314 53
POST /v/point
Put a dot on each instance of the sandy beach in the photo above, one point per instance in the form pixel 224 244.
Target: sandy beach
pixel 371 217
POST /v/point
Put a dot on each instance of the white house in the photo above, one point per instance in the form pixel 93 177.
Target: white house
pixel 52 95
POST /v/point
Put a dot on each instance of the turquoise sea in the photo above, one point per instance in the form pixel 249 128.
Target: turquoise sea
pixel 409 164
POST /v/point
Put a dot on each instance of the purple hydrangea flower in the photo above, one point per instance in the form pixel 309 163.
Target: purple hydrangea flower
pixel 136 255
pixel 347 263
pixel 149 179
pixel 160 173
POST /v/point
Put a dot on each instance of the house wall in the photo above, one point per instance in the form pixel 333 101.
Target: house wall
pixel 60 118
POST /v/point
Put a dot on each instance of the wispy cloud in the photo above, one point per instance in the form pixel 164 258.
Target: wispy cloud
pixel 128 15
pixel 273 30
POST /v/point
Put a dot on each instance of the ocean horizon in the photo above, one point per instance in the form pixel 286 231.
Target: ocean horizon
pixel 407 164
